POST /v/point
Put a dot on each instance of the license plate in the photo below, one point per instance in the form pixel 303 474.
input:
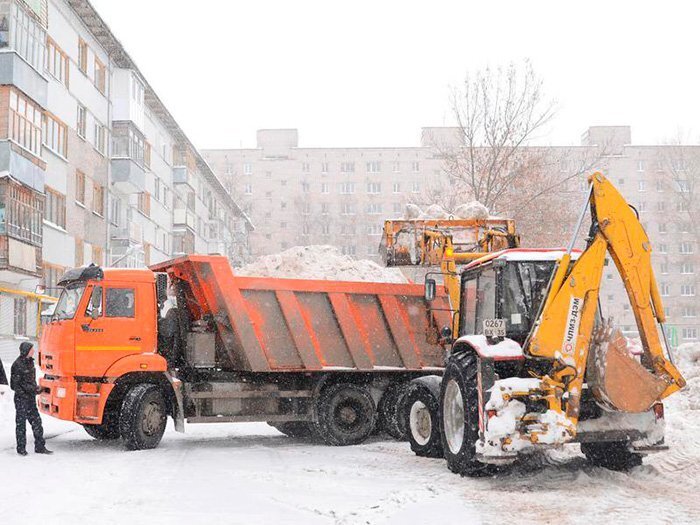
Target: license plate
pixel 494 327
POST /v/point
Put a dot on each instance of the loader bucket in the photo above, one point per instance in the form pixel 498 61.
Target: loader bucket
pixel 618 380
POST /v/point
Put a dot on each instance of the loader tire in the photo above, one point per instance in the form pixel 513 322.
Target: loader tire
pixel 346 414
pixel 106 431
pixel 611 455
pixel 421 406
pixel 143 417
pixel 459 415
pixel 296 429
pixel 390 420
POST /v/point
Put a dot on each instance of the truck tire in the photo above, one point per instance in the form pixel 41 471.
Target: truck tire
pixel 389 411
pixel 459 415
pixel 421 408
pixel 296 429
pixel 611 455
pixel 346 414
pixel 107 431
pixel 143 417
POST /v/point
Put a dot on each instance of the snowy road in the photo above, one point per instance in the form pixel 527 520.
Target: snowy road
pixel 249 474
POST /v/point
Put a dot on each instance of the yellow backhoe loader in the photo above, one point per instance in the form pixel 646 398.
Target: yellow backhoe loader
pixel 532 362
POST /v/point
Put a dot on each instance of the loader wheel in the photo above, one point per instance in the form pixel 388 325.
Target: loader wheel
pixel 106 431
pixel 143 417
pixel 421 407
pixel 389 411
pixel 611 455
pixel 295 429
pixel 346 414
pixel 459 415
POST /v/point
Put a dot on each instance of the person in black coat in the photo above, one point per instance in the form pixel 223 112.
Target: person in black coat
pixel 23 382
pixel 3 376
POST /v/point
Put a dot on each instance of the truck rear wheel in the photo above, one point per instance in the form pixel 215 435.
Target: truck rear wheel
pixel 611 455
pixel 346 414
pixel 459 415
pixel 389 411
pixel 421 407
pixel 143 417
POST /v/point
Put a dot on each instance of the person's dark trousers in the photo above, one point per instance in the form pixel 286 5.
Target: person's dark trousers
pixel 26 410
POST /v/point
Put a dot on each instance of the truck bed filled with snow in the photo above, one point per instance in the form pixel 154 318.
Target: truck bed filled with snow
pixel 319 262
pixel 249 473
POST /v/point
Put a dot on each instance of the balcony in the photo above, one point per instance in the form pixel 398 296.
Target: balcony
pixel 22 165
pixel 132 233
pixel 183 176
pixel 183 217
pixel 18 260
pixel 127 176
pixel 15 71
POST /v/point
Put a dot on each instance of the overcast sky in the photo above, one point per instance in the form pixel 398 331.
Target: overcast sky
pixel 372 73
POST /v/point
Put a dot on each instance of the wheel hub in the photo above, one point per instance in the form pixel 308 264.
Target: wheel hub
pixel 453 416
pixel 152 418
pixel 420 422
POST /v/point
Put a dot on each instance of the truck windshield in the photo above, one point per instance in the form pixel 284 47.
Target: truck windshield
pixel 68 302
pixel 524 286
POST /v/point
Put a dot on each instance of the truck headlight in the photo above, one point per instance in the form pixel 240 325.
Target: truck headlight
pixel 60 392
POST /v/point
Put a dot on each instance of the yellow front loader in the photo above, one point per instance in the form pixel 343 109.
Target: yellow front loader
pixel 534 364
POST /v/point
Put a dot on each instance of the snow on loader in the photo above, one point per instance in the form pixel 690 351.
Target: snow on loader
pixel 533 364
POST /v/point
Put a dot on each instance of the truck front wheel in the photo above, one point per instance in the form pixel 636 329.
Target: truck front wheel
pixel 346 414
pixel 143 417
pixel 459 415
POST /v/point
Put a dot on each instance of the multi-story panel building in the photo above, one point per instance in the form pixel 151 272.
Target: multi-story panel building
pixel 93 167
pixel 341 196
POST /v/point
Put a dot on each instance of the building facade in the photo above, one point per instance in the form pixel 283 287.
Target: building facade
pixel 341 196
pixel 93 167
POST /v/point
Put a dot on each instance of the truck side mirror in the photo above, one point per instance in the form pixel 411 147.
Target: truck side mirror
pixel 96 302
pixel 430 288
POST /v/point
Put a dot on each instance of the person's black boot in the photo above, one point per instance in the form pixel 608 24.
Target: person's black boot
pixel 43 451
pixel 21 452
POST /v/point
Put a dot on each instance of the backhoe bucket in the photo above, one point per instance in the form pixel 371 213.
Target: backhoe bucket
pixel 617 379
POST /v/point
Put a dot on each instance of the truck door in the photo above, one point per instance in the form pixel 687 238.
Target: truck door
pixel 112 323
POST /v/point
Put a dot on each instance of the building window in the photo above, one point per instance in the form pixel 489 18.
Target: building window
pixel 55 135
pixel 115 209
pixel 325 229
pixel 81 125
pixel 690 334
pixel 20 321
pixel 687 268
pixel 660 186
pixel 57 62
pixel 100 80
pixel 347 187
pixel 374 187
pixel 97 255
pixel 686 247
pixel 663 248
pixel 79 252
pixel 688 290
pixel 682 206
pixel 128 142
pixel 347 167
pixel 347 229
pixel 283 205
pixel 247 168
pixel 21 212
pixel 374 166
pixel 642 185
pixel 397 187
pixel 662 227
pixel 248 189
pixel 82 55
pixel 306 208
pixel 416 187
pixel 100 138
pixel 28 37
pixel 25 122
pixel 79 187
pixel 374 229
pixel 98 199
pixel 324 187
pixel 661 206
pixel 144 203
pixel 396 167
pixel 305 187
pixel 147 155
pixel 642 207
pixel 305 167
pixel 55 210
pixel 324 167
pixel 663 268
pixel 397 207
pixel 689 311
pixel 415 166
pixel 374 208
pixel 305 229
pixel 283 182
pixel 347 208
pixel 683 185
pixel 325 208
pixel 664 290
pixel 640 165
pixel 349 250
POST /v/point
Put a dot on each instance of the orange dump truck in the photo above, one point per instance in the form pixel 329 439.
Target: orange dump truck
pixel 126 348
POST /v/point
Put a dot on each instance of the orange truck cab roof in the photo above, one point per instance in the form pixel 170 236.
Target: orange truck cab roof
pixel 93 272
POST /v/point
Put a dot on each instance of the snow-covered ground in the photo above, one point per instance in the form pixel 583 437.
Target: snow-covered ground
pixel 249 473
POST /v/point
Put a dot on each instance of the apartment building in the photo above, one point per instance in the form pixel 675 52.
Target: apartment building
pixel 341 196
pixel 93 167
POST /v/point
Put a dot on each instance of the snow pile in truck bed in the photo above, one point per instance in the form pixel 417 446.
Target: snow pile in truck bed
pixel 468 210
pixel 320 262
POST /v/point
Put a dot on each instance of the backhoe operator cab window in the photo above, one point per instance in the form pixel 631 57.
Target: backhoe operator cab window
pixel 478 300
pixel 118 302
